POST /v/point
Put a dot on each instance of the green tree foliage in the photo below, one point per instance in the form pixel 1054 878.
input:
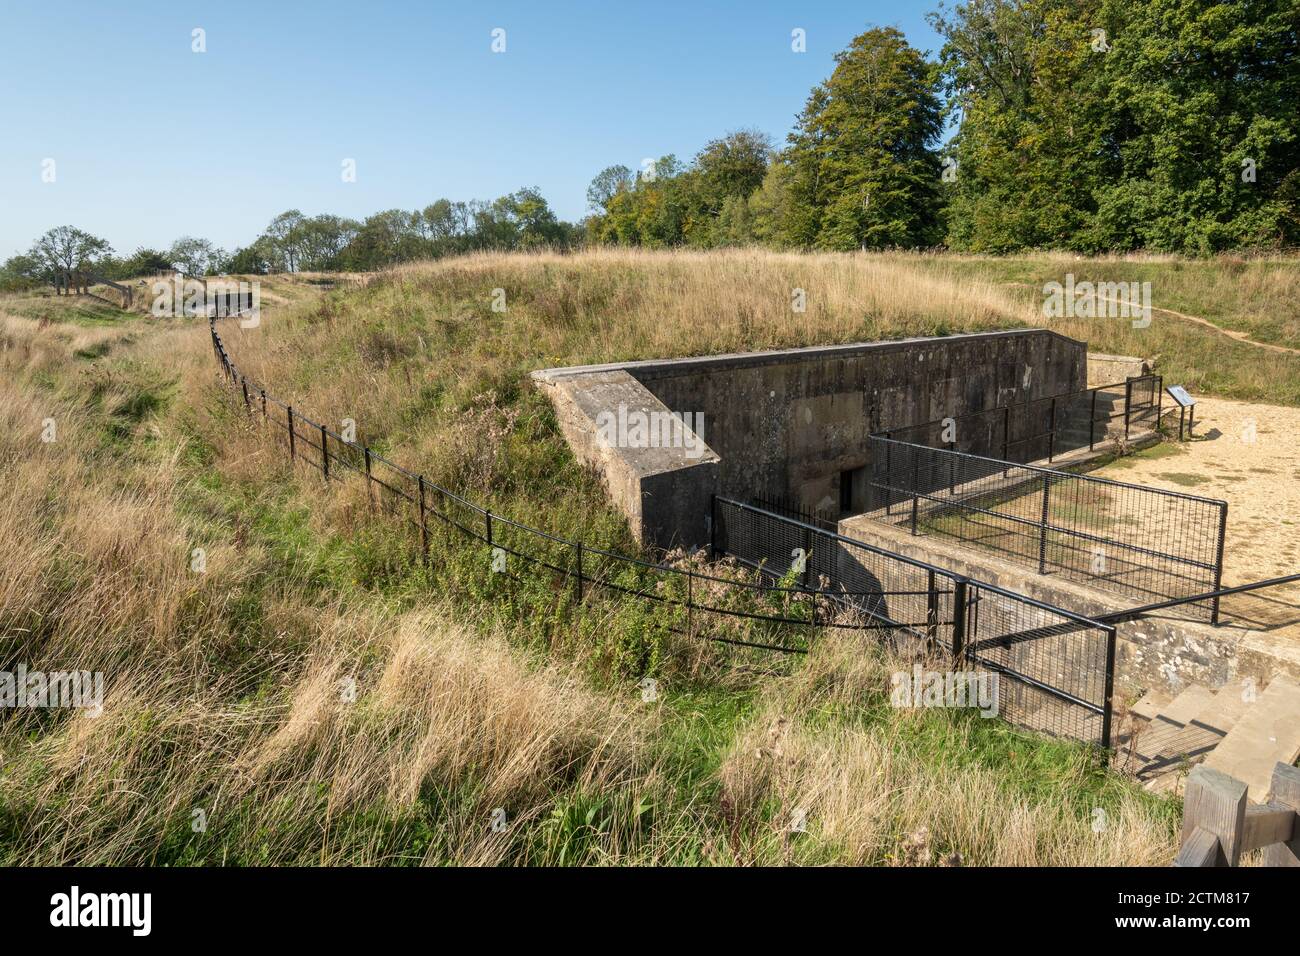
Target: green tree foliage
pixel 1199 92
pixel 1098 124
pixel 703 204
pixel 22 272
pixel 196 256
pixel 67 250
pixel 863 170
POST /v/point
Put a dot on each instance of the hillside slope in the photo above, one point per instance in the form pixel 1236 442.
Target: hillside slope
pixel 308 692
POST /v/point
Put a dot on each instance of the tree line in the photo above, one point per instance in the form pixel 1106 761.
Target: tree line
pixel 1086 125
pixel 292 242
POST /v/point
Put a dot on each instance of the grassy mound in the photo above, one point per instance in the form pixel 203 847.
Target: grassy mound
pixel 287 683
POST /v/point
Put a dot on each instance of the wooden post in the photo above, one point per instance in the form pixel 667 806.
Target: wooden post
pixel 1214 804
pixel 1285 793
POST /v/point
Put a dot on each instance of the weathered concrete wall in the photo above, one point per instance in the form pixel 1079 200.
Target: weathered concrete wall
pixel 1166 652
pixel 787 424
pixel 663 488
pixel 1112 369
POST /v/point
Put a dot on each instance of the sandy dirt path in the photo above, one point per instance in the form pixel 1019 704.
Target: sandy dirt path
pixel 1258 475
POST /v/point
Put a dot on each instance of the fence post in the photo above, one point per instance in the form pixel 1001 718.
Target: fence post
pixel 1108 701
pixel 324 454
pixel 931 611
pixel 370 493
pixel 916 483
pixel 292 447
pixel 690 604
pixel 1092 422
pixel 1286 793
pixel 1158 384
pixel 577 584
pixel 1214 803
pixel 889 475
pixel 1218 561
pixel 1051 434
pixel 487 520
pixel 1128 404
pixel 264 404
pixel 243 382
pixel 424 528
pixel 1006 434
pixel 959 585
pixel 1042 533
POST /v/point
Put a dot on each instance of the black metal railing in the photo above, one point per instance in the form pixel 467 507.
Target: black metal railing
pixel 1145 542
pixel 1047 428
pixel 1057 667
pixel 789 508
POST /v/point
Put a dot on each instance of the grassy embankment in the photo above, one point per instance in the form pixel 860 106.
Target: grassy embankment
pixel 229 690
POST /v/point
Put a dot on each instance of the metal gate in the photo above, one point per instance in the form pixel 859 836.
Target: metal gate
pixel 1055 669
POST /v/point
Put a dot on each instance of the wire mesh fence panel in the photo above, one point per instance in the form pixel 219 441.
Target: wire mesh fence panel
pixel 1139 541
pixel 1053 669
pixel 1045 428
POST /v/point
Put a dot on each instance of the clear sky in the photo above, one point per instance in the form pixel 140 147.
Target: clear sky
pixel 151 141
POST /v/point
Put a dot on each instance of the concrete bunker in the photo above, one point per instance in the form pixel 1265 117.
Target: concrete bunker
pixel 789 425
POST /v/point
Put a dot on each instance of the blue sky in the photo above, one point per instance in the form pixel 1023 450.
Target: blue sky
pixel 151 140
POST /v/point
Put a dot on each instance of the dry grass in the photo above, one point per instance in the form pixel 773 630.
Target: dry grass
pixel 227 689
pixel 902 790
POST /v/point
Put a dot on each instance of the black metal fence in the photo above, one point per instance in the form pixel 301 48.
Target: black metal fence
pixel 1047 428
pixel 1139 541
pixel 1056 668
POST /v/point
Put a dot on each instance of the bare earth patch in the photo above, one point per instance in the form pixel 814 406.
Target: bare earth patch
pixel 1259 478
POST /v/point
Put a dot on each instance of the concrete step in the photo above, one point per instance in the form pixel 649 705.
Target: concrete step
pixel 1267 733
pixel 1190 701
pixel 1230 703
pixel 1168 742
pixel 1151 703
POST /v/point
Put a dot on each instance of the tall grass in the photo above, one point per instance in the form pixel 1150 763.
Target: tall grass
pixel 314 696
